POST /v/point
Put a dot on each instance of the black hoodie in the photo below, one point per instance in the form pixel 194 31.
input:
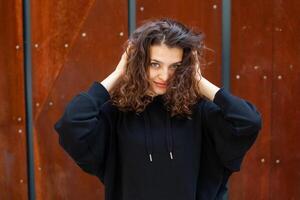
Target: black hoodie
pixel 151 155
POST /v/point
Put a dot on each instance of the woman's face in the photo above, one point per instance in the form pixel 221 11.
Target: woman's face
pixel 163 63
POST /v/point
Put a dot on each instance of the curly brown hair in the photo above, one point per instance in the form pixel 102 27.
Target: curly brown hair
pixel 130 93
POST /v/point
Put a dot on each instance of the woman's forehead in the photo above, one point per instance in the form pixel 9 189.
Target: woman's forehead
pixel 165 54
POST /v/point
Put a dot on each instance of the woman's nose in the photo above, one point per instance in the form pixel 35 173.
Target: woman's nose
pixel 164 74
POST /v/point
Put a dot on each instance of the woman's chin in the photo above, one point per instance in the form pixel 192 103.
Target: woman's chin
pixel 157 91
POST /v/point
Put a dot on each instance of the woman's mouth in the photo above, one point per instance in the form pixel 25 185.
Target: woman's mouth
pixel 160 85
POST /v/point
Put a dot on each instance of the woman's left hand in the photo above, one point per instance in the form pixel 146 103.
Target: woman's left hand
pixel 207 88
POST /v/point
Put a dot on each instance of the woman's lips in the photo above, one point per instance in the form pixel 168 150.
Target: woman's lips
pixel 161 85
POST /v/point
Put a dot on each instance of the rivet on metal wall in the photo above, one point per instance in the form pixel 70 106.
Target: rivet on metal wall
pixel 83 34
pixel 20 131
pixel 215 6
pixel 19 119
pixel 256 67
pixel 278 29
pixel 17 47
pixel 262 160
pixel 121 34
pixel 279 77
pixel 37 104
pixel 141 8
pixel 264 77
pixel 50 103
pixel 237 76
pixel 244 27
pixel 39 168
pixel 66 45
pixel 21 180
pixel 36 45
pixel 291 66
pixel 277 161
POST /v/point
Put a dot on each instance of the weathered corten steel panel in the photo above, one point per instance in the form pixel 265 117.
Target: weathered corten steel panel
pixel 13 165
pixel 285 160
pixel 74 44
pixel 204 16
pixel 251 78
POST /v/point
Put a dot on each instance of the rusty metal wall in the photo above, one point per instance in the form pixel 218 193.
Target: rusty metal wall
pixel 285 100
pixel 13 166
pixel 74 43
pixel 251 78
pixel 265 70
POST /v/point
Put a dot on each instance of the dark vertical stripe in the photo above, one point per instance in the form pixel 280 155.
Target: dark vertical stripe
pixel 226 27
pixel 226 40
pixel 131 16
pixel 28 97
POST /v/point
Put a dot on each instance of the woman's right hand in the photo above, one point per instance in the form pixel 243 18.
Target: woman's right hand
pixel 110 81
pixel 122 65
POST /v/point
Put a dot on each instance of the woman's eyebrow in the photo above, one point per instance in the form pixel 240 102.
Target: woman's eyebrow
pixel 161 62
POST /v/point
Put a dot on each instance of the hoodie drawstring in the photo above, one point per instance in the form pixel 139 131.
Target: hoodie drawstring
pixel 169 136
pixel 149 137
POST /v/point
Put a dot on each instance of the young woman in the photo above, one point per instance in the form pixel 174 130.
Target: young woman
pixel 155 129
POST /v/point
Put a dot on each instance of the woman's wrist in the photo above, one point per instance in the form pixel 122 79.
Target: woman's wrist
pixel 110 81
pixel 207 88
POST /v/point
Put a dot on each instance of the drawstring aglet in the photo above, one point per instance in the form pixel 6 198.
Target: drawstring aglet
pixel 150 156
pixel 171 155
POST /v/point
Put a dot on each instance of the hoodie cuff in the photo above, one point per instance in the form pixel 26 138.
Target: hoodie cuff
pixel 223 98
pixel 98 93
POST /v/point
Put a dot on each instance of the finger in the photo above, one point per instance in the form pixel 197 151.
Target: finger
pixel 128 48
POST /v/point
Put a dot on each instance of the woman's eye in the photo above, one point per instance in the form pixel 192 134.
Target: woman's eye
pixel 175 66
pixel 154 65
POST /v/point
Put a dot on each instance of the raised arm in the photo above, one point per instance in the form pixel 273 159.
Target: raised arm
pixel 233 124
pixel 84 129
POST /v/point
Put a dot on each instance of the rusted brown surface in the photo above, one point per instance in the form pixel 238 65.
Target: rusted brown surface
pixel 203 15
pixel 285 159
pixel 13 166
pixel 92 31
pixel 270 40
pixel 251 78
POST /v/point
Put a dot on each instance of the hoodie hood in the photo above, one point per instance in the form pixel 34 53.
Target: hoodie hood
pixel 148 131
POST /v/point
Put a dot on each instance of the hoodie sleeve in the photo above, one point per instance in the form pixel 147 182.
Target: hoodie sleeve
pixel 84 130
pixel 232 124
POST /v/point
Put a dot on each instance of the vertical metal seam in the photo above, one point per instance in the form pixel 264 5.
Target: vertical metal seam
pixel 226 50
pixel 28 97
pixel 131 16
pixel 226 41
